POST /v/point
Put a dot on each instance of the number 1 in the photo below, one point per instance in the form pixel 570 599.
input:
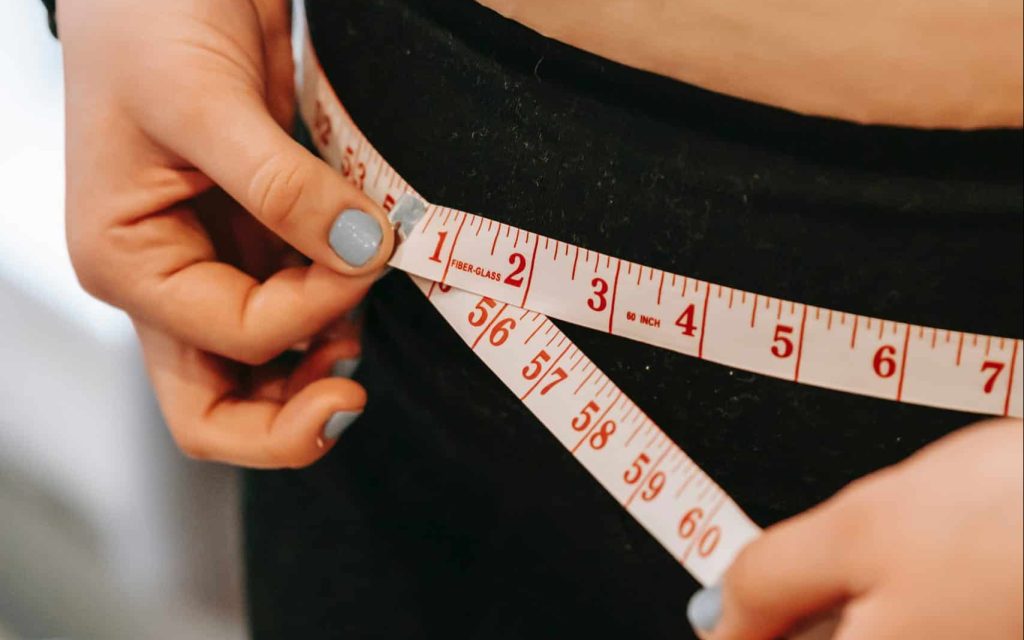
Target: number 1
pixel 441 235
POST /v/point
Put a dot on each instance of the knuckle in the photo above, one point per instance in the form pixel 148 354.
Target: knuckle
pixel 85 253
pixel 255 341
pixel 254 348
pixel 276 188
pixel 190 443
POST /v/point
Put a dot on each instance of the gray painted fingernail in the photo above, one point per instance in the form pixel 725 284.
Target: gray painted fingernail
pixel 345 368
pixel 705 608
pixel 355 236
pixel 338 422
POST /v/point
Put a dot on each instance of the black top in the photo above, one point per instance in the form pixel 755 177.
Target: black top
pixel 447 511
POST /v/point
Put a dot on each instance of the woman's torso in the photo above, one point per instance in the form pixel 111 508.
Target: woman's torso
pixel 447 510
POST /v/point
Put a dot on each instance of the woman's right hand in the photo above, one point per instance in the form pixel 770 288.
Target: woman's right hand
pixel 190 207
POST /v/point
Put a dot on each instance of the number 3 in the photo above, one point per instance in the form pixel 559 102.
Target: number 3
pixel 599 301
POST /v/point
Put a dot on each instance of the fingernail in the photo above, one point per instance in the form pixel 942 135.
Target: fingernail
pixel 345 368
pixel 338 422
pixel 705 608
pixel 355 236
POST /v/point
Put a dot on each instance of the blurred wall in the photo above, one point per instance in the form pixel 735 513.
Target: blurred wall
pixel 106 531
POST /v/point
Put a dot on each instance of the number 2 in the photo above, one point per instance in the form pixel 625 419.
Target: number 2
pixel 518 261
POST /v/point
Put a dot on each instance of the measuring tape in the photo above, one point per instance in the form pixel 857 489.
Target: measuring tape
pixel 498 286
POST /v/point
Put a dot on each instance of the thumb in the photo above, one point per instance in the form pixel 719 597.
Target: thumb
pixel 234 140
pixel 792 573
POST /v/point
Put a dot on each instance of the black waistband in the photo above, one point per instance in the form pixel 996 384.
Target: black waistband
pixel 504 56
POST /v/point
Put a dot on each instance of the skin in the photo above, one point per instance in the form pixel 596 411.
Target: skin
pixel 928 548
pixel 919 63
pixel 190 207
pixel 164 101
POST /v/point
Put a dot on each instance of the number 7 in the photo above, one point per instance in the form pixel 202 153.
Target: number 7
pixel 560 376
pixel 997 368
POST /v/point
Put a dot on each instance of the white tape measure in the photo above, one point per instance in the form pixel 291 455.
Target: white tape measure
pixel 497 285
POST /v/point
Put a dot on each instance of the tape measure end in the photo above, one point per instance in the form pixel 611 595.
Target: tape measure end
pixel 406 214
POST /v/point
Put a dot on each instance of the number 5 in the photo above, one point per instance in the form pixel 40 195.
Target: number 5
pixel 582 421
pixel 533 369
pixel 478 319
pixel 783 347
pixel 633 473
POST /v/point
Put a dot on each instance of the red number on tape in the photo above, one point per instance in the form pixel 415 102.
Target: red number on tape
pixel 601 436
pixel 582 421
pixel 654 486
pixel 633 473
pixel 501 330
pixel 322 125
pixel 783 347
pixel 441 235
pixel 997 368
pixel 688 525
pixel 518 261
pixel 536 365
pixel 708 540
pixel 884 362
pixel 478 316
pixel 685 321
pixel 599 301
pixel 560 376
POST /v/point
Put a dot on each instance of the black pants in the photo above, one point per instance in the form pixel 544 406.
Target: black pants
pixel 447 511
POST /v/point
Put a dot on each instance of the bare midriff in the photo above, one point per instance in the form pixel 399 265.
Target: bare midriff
pixel 932 64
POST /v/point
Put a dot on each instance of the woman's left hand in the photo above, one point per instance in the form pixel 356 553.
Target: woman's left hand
pixel 929 548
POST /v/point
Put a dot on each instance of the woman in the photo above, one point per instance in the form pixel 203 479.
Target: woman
pixel 861 158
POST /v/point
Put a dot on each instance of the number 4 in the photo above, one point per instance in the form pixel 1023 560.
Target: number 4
pixel 685 321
